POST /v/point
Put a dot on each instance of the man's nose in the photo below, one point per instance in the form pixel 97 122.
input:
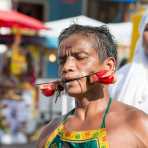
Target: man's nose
pixel 69 65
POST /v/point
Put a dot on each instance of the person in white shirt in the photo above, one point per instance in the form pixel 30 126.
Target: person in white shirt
pixel 132 79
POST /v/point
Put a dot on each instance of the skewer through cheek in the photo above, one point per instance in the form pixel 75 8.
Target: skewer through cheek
pixel 100 77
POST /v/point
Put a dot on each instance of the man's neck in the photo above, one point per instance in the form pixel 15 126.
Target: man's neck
pixel 87 106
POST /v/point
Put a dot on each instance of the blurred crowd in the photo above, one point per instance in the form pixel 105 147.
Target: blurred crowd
pixel 18 97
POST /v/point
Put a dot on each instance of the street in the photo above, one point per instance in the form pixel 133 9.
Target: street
pixel 29 145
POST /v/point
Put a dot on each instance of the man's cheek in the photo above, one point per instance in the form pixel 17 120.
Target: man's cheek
pixel 86 70
pixel 89 67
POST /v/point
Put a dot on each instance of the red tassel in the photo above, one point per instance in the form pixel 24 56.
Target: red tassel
pixel 102 77
pixel 48 89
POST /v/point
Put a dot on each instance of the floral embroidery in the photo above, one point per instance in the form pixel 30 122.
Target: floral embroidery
pixel 53 135
pixel 78 136
pixel 100 135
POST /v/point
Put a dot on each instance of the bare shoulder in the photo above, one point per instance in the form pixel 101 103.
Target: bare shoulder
pixel 134 115
pixel 47 130
pixel 137 121
pixel 139 125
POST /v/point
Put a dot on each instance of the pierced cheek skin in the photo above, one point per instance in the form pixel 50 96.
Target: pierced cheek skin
pixel 84 70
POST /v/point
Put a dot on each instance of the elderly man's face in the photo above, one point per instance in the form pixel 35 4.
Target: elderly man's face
pixel 145 40
pixel 77 58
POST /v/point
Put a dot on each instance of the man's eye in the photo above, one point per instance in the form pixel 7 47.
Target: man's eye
pixel 81 57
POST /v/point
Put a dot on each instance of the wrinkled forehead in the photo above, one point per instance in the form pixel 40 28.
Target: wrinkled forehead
pixel 77 41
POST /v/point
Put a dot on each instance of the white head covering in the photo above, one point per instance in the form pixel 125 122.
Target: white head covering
pixel 132 84
pixel 139 51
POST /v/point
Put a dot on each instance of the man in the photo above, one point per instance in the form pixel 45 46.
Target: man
pixel 131 87
pixel 97 121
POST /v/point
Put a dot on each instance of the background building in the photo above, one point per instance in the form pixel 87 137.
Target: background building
pixel 111 11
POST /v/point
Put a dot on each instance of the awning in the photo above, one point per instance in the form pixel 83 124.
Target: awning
pixel 14 19
pixel 125 1
pixel 9 39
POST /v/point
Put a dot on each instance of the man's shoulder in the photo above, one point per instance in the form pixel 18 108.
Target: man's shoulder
pixel 129 111
pixel 47 130
pixel 136 121
pixel 51 125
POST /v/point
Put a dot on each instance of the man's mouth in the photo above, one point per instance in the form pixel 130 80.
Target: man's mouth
pixel 65 80
pixel 69 79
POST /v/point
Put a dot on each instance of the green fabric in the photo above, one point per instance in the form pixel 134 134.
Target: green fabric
pixel 57 143
pixel 105 113
pixel 92 143
pixel 104 116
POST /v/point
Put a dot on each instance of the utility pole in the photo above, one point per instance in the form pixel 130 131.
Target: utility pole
pixel 84 7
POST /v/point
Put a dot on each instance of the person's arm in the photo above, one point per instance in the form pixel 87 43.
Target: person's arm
pixel 47 130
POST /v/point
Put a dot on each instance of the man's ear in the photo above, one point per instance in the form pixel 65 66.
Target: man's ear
pixel 110 64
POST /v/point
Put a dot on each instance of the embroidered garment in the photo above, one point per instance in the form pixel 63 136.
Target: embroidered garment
pixel 60 138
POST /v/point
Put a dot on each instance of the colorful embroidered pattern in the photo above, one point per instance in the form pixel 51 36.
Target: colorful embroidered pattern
pixel 75 139
pixel 53 135
pixel 79 137
pixel 100 135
